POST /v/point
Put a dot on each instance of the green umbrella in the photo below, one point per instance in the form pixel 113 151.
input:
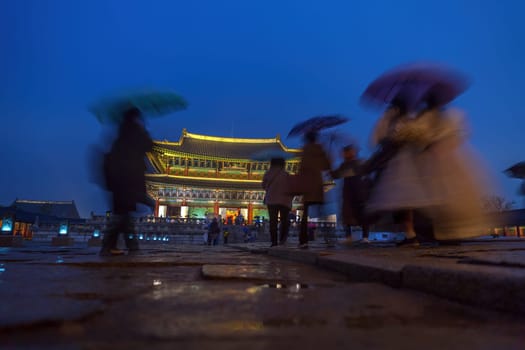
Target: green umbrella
pixel 151 103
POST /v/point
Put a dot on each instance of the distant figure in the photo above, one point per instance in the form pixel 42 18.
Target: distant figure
pixel 354 193
pixel 124 170
pixel 314 161
pixel 213 232
pixel 279 202
pixel 225 235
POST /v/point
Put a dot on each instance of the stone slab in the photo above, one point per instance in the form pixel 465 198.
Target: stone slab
pixel 62 241
pixel 364 269
pixel 486 286
pixel 303 256
pixel 249 272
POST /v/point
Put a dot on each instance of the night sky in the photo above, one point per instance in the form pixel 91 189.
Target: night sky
pixel 247 68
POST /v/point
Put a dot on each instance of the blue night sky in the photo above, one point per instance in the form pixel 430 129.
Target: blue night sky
pixel 247 68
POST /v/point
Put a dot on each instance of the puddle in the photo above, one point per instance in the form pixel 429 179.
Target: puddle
pixel 295 321
pixel 293 286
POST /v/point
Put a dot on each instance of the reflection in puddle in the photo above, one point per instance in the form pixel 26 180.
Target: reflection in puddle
pixel 59 260
pixel 293 287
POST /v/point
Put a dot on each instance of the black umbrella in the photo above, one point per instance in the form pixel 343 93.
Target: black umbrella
pixel 516 171
pixel 316 124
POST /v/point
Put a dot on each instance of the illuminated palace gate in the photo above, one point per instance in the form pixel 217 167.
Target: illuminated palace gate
pixel 201 175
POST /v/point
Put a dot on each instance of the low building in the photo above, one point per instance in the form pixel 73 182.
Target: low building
pixel 26 217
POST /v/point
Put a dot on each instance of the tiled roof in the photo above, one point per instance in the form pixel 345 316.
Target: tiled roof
pixel 30 218
pixel 59 209
pixel 223 147
pixel 170 180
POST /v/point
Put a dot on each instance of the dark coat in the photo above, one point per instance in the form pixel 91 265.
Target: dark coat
pixel 314 161
pixel 124 166
pixel 355 192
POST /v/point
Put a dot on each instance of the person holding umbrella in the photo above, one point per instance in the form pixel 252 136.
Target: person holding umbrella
pixel 124 167
pixel 314 161
pixel 124 171
pixel 454 179
pixel 404 184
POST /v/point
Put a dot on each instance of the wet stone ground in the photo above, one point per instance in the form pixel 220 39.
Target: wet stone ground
pixel 199 297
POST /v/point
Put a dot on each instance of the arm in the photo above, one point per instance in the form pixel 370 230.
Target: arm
pixel 337 173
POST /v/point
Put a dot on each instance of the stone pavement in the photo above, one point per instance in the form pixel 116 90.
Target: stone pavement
pixel 200 297
pixel 486 273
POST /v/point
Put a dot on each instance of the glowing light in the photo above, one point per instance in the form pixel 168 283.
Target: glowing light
pixel 2 268
pixel 141 236
pixel 157 282
pixel 7 224
pixel 63 229
pixel 96 234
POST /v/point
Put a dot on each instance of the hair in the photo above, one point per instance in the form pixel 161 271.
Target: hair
pixel 279 162
pixel 399 103
pixel 431 100
pixel 131 114
pixel 311 136
pixel 349 147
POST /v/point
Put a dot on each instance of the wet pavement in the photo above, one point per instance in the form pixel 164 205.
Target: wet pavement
pixel 200 297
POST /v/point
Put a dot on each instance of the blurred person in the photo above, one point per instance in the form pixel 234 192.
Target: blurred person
pixel 314 161
pixel 397 186
pixel 124 172
pixel 354 193
pixel 213 232
pixel 454 177
pixel 275 182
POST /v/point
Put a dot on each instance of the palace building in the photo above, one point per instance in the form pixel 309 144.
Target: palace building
pixel 201 175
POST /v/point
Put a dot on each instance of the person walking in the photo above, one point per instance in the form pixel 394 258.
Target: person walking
pixel 397 187
pixel 124 173
pixel 213 232
pixel 353 194
pixel 455 178
pixel 275 183
pixel 314 161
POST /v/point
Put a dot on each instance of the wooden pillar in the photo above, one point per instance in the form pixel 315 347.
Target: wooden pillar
pixel 156 212
pixel 250 213
pixel 216 208
pixel 186 168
